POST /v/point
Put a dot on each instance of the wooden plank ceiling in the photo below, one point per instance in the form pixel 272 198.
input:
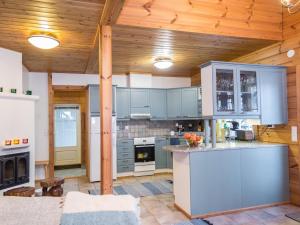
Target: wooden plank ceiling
pixel 260 19
pixel 74 22
pixel 135 49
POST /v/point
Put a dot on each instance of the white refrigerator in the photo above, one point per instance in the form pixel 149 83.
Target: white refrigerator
pixel 94 138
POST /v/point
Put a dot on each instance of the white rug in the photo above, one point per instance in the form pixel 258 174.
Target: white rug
pixel 30 211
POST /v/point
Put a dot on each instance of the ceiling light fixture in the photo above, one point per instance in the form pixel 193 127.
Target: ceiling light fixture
pixel 43 41
pixel 163 63
pixel 291 5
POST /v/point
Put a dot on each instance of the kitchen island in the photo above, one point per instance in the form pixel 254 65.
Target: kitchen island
pixel 230 177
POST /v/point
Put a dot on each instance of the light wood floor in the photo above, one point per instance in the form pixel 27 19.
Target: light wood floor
pixel 159 209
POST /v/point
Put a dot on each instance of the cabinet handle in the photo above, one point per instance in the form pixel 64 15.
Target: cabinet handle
pixel 146 106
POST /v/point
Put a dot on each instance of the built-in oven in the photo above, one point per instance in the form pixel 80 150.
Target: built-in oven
pixel 144 152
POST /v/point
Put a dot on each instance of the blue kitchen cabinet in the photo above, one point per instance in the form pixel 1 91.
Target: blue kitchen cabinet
pixel 123 103
pixel 189 103
pixel 215 181
pixel 125 155
pixel 273 96
pixel 139 100
pixel 158 104
pixel 160 154
pixel 169 156
pixel 170 160
pixel 261 170
pixel 174 103
pixel 244 91
pixel 94 100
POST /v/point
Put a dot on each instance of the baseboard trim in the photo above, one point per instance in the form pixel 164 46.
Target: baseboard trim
pixel 229 211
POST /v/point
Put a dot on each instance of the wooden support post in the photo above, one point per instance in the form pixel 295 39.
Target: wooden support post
pixel 51 125
pixel 105 73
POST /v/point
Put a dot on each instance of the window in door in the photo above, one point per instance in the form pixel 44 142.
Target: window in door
pixel 67 135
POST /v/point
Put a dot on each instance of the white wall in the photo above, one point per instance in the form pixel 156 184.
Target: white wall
pixel 11 70
pixel 170 82
pixel 25 78
pixel 38 83
pixel 74 79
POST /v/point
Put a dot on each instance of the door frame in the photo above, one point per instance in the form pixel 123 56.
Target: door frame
pixel 51 92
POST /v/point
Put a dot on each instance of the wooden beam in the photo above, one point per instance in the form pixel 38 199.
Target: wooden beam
pixel 105 73
pixel 111 12
pixel 109 16
pixel 51 125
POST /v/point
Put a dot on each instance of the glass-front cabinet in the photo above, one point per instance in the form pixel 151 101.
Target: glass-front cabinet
pixel 235 90
pixel 225 90
pixel 248 91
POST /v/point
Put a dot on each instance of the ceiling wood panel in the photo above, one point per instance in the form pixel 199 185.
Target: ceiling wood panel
pixel 248 18
pixel 74 22
pixel 135 49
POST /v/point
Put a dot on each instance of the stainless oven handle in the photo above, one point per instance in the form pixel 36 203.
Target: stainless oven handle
pixel 143 146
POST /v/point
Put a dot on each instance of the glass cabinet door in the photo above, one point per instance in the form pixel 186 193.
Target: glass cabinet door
pixel 248 91
pixel 225 101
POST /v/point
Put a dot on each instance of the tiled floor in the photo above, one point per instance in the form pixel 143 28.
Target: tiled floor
pixel 73 172
pixel 159 209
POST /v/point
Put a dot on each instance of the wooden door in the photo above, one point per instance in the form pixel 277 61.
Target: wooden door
pixel 67 135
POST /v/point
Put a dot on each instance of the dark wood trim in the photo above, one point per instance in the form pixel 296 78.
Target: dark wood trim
pixel 105 73
pixel 51 125
pixel 69 88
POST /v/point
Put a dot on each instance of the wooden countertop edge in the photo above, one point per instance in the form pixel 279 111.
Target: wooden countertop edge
pixel 229 211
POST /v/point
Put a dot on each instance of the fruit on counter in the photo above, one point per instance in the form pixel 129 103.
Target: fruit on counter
pixel 192 139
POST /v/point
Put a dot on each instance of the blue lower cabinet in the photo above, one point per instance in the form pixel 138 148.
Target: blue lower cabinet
pixel 215 181
pixel 170 160
pixel 160 154
pixel 234 179
pixel 125 155
pixel 265 176
pixel 121 168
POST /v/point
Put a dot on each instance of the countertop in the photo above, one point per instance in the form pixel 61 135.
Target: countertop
pixel 221 146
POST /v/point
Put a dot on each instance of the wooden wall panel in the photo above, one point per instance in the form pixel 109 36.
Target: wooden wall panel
pixel 261 19
pixel 196 79
pixel 75 97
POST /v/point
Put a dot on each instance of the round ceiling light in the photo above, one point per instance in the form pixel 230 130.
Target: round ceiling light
pixel 43 41
pixel 163 63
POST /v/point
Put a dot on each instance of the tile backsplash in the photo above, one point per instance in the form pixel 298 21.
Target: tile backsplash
pixel 147 128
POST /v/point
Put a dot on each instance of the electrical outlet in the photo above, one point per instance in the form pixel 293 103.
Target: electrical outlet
pixel 294 133
pixel 126 127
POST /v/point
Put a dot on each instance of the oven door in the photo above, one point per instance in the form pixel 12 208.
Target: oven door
pixel 144 153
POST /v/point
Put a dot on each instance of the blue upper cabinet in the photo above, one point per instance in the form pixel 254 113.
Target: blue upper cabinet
pixel 244 91
pixel 174 103
pixel 273 96
pixel 158 104
pixel 189 103
pixel 94 100
pixel 139 99
pixel 123 103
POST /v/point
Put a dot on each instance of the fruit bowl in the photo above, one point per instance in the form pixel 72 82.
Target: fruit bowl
pixel 192 139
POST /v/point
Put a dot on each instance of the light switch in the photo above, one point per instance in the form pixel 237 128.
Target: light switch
pixel 294 132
